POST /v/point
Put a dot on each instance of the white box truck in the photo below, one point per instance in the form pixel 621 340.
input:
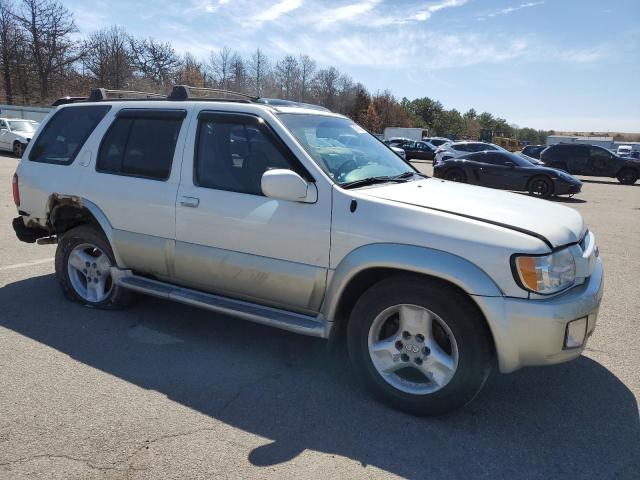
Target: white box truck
pixel 405 132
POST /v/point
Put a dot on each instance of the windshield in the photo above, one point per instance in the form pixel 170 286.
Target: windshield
pixel 344 150
pixel 22 126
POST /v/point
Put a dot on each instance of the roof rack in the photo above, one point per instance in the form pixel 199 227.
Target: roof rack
pixel 67 99
pixel 98 94
pixel 279 102
pixel 185 92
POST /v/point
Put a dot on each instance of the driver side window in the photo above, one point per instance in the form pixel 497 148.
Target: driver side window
pixel 234 152
pixel 599 157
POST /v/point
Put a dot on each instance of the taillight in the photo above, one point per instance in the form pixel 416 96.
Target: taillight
pixel 16 190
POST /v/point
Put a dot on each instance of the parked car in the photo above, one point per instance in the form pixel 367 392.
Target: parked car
pixel 15 133
pixel 458 149
pixel 533 150
pixel 242 209
pixel 624 151
pixel 399 151
pixel 507 171
pixel 397 140
pixel 418 150
pixel 593 160
pixel 437 141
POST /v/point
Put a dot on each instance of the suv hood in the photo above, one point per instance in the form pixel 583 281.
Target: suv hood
pixel 556 225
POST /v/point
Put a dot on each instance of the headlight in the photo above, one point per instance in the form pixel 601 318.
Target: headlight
pixel 546 274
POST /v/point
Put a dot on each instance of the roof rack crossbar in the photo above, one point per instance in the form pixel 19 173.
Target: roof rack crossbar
pixel 186 92
pixel 98 94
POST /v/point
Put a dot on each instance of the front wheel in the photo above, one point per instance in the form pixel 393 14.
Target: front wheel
pixel 419 345
pixel 628 176
pixel 83 267
pixel 541 187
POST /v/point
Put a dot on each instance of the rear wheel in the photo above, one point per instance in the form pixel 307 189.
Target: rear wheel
pixel 419 345
pixel 83 267
pixel 628 176
pixel 18 149
pixel 541 187
pixel 455 175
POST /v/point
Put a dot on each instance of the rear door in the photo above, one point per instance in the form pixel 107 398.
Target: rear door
pixel 137 171
pixel 233 240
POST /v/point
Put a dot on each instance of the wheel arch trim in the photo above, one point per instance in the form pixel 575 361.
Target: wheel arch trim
pixel 410 259
pixel 58 200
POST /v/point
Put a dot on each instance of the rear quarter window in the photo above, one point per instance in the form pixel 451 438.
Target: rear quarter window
pixel 66 132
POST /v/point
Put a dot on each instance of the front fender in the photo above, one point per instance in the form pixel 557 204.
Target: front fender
pixel 409 258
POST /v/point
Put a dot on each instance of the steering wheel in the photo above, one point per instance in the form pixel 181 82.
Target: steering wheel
pixel 345 168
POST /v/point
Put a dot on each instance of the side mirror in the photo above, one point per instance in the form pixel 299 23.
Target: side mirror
pixel 282 184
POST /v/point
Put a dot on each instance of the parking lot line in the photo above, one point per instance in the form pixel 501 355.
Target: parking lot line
pixel 26 264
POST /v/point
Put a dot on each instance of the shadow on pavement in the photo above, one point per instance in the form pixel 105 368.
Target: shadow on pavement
pixel 575 420
pixel 613 181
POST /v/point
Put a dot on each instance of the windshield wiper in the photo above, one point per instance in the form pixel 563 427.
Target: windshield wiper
pixel 363 182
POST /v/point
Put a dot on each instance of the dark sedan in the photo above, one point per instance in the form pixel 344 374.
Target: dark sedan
pixel 507 171
pixel 418 150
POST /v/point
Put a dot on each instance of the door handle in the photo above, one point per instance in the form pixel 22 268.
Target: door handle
pixel 191 202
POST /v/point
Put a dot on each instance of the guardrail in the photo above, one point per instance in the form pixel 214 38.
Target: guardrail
pixel 28 113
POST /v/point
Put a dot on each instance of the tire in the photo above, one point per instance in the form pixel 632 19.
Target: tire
pixel 541 186
pixel 18 149
pixel 86 248
pixel 458 356
pixel 627 176
pixel 456 175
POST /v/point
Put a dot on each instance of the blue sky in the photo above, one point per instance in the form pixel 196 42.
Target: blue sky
pixel 553 64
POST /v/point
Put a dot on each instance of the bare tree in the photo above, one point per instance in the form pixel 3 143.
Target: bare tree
pixel 108 57
pixel 49 25
pixel 239 81
pixel 307 69
pixel 155 61
pixel 287 75
pixel 258 71
pixel 220 66
pixel 8 31
pixel 326 86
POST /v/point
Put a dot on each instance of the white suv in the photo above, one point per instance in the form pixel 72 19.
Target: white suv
pixel 262 212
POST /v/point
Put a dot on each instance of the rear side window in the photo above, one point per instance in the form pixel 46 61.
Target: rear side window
pixel 66 132
pixel 140 144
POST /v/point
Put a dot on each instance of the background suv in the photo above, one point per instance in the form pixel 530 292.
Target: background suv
pixel 591 160
pixel 15 133
pixel 458 149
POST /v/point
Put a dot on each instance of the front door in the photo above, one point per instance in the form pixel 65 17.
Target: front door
pixel 600 162
pixel 230 238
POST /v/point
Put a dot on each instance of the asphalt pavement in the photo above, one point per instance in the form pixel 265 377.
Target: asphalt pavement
pixel 165 391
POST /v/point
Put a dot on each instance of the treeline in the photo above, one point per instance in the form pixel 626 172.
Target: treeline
pixel 42 59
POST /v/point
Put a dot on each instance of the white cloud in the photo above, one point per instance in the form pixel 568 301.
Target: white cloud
pixel 277 10
pixel 511 9
pixel 425 14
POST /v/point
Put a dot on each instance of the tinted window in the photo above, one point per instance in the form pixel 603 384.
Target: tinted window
pixel 66 132
pixel 463 147
pixel 3 124
pixel 599 156
pixel 140 147
pixel 233 154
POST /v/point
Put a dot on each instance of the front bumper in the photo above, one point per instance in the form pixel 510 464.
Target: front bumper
pixel 532 332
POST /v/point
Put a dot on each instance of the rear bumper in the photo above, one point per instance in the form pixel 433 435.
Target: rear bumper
pixel 532 332
pixel 27 234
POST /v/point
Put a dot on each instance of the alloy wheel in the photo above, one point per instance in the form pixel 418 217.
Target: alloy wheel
pixel 89 273
pixel 413 349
